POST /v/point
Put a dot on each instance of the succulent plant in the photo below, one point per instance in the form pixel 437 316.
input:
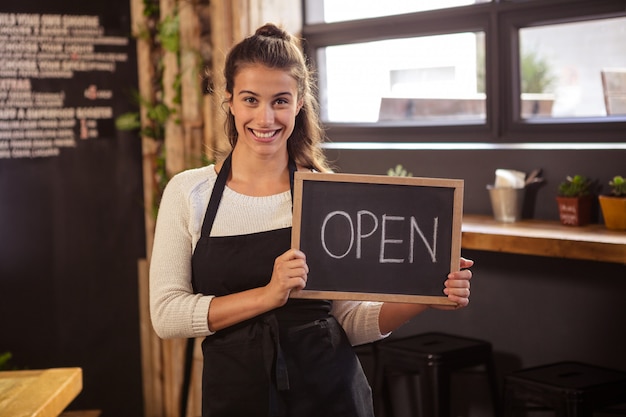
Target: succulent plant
pixel 618 186
pixel 576 186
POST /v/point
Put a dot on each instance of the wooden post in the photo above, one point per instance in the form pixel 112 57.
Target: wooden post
pixel 191 83
pixel 150 343
pixel 221 40
pixel 174 143
pixel 150 350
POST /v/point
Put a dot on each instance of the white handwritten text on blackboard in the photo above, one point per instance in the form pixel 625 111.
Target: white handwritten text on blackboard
pixel 360 234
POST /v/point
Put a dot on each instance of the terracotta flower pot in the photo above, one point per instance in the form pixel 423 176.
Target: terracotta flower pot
pixel 613 211
pixel 574 211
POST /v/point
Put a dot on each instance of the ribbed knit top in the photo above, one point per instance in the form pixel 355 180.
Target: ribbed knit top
pixel 175 310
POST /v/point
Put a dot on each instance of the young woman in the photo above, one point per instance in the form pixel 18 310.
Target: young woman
pixel 222 267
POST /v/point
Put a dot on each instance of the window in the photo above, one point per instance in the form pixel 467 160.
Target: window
pixel 462 70
pixel 562 67
pixel 344 10
pixel 428 78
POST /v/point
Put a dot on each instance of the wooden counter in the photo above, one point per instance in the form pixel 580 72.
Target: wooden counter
pixel 544 238
pixel 41 393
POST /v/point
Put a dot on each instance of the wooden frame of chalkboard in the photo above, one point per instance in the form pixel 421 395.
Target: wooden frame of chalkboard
pixel 377 238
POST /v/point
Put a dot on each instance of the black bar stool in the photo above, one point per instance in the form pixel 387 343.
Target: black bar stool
pixel 433 357
pixel 571 389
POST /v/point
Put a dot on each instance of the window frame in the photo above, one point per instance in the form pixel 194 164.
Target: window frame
pixel 500 21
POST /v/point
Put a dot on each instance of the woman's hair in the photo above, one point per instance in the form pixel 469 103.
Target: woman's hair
pixel 274 48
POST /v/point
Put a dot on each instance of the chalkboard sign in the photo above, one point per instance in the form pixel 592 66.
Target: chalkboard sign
pixel 71 197
pixel 377 238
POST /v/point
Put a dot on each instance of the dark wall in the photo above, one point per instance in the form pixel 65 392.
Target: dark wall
pixel 534 310
pixel 72 232
pixel 477 169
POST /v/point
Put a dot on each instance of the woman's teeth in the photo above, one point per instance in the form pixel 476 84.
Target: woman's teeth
pixel 264 134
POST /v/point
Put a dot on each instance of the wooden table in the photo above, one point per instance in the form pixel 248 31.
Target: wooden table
pixel 40 393
pixel 544 238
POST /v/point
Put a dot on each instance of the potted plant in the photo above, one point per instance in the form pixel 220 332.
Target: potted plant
pixel 614 205
pixel 574 199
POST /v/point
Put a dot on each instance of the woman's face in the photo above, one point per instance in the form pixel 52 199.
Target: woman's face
pixel 264 104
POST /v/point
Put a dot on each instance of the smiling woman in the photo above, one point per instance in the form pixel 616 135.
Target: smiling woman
pixel 223 267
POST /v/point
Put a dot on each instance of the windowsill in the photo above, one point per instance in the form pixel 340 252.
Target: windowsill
pixel 544 238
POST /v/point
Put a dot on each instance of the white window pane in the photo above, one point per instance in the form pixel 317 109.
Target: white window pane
pixel 421 80
pixel 343 10
pixel 572 57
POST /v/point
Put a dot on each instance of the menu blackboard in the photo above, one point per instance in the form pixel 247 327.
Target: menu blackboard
pixel 71 197
pixel 369 237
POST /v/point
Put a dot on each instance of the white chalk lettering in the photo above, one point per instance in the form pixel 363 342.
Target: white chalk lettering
pixel 15 84
pixel 360 234
pixel 48 46
pixel 385 239
pixel 431 249
pixel 7 19
pixel 328 217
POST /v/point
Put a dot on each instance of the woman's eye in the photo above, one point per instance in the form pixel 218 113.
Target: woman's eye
pixel 249 100
pixel 281 101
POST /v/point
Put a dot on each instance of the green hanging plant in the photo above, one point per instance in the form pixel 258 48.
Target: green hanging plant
pixel 151 8
pixel 157 114
pixel 162 34
pixel 168 33
pixel 128 121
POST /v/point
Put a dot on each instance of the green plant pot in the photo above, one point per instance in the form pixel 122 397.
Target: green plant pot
pixel 575 211
pixel 613 211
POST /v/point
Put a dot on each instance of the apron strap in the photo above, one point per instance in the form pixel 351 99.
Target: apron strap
pixel 218 190
pixel 216 197
pixel 292 170
pixel 275 365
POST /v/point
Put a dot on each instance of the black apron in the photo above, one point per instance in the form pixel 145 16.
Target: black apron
pixel 293 361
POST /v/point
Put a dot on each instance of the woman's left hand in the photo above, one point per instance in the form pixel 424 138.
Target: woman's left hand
pixel 458 286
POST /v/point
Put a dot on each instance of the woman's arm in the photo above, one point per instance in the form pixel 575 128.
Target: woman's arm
pixel 289 273
pixel 174 308
pixel 457 288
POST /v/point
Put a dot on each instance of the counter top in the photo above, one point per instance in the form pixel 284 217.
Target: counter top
pixel 38 393
pixel 544 238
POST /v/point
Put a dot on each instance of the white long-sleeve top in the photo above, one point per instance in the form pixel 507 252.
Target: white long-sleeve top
pixel 175 310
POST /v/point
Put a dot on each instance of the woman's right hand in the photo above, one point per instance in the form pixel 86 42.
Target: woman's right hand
pixel 290 273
